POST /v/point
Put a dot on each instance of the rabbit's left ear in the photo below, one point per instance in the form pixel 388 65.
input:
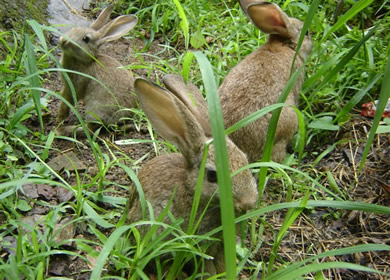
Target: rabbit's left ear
pixel 117 28
pixel 103 18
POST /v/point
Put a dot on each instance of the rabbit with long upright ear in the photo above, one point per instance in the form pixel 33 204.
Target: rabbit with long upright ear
pixel 108 99
pixel 178 118
pixel 259 79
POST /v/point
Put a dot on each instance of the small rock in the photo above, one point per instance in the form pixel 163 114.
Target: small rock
pixel 30 190
pixel 64 194
pixel 46 192
pixel 86 6
pixel 59 265
pixel 33 221
pixel 39 209
pixel 64 231
pixel 8 244
pixel 66 161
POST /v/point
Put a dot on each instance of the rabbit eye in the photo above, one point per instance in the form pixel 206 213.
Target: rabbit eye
pixel 211 175
pixel 86 39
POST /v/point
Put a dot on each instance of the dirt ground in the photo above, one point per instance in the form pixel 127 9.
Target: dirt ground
pixel 82 155
pixel 321 230
pixel 315 231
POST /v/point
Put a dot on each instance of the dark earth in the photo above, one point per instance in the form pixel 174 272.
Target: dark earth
pixel 315 231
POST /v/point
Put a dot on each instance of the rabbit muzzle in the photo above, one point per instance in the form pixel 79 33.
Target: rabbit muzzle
pixel 243 205
pixel 64 44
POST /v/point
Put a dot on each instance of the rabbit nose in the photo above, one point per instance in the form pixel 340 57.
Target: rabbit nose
pixel 63 42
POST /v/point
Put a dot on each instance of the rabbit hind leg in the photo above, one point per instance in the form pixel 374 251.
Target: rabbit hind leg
pixel 279 150
pixel 217 264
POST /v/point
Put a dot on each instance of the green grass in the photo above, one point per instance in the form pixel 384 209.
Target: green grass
pixel 202 40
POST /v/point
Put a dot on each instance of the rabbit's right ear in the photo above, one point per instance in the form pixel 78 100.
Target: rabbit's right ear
pixel 191 96
pixel 171 119
pixel 268 17
pixel 103 18
pixel 117 28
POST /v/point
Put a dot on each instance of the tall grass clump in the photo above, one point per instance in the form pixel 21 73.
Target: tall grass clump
pixel 30 240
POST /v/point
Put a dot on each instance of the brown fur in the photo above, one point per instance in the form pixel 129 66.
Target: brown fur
pixel 258 81
pixel 179 172
pixel 102 102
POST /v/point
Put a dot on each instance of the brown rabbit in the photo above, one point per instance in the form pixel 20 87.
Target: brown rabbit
pixel 259 79
pixel 176 118
pixel 80 47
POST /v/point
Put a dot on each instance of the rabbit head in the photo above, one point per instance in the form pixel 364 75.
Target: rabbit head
pixel 176 117
pixel 259 79
pixel 83 42
pixel 183 120
pixel 269 18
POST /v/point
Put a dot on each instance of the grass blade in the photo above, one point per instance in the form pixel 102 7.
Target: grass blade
pixel 222 164
pixel 38 31
pixel 108 246
pixel 184 22
pixel 91 213
pixel 356 98
pixel 291 216
pixel 346 205
pixel 31 69
pixel 308 19
pixel 383 99
pixel 272 131
pixel 198 192
pixel 356 8
pixel 322 266
pixel 343 251
pixel 252 117
pixel 344 61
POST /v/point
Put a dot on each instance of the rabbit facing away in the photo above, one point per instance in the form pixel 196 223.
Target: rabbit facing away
pixel 259 79
pixel 80 47
pixel 177 119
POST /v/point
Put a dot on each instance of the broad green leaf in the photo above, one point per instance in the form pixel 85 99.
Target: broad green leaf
pixel 324 123
pixel 197 40
pixel 222 164
pixel 91 213
pixel 23 205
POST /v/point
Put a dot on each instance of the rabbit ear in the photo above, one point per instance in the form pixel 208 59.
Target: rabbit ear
pixel 103 18
pixel 171 119
pixel 192 98
pixel 117 28
pixel 268 17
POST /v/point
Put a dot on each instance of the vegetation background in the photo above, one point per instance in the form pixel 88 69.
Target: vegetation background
pixel 323 213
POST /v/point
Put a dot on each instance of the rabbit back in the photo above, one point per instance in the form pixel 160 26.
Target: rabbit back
pixel 252 85
pixel 260 78
pixel 117 99
pixel 105 99
pixel 105 103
